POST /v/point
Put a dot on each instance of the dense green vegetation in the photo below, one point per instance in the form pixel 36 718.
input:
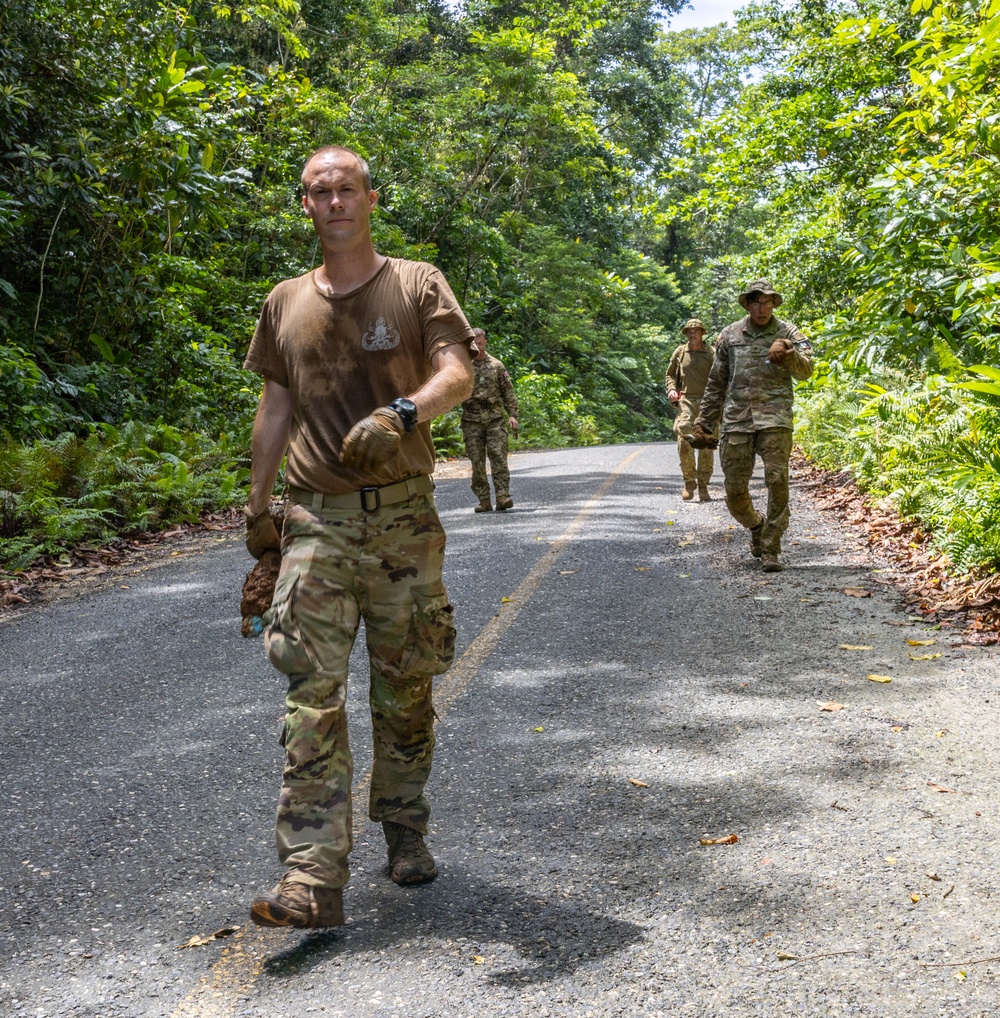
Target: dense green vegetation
pixel 586 180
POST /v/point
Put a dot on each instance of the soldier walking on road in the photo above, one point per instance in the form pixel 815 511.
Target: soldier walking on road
pixel 358 356
pixel 486 416
pixel 750 388
pixel 687 375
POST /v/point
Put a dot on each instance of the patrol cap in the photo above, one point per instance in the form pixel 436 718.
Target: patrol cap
pixel 763 287
pixel 694 323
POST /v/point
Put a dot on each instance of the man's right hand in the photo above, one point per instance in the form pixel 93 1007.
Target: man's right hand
pixel 261 532
pixel 701 439
pixel 674 396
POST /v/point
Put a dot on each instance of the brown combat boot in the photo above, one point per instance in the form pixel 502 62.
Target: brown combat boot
pixel 769 563
pixel 484 507
pixel 688 493
pixel 755 533
pixel 293 903
pixel 504 503
pixel 704 495
pixel 409 860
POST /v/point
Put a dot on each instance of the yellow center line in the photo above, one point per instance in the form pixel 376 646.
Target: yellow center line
pixel 242 960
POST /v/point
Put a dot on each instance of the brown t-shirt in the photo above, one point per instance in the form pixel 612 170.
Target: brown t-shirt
pixel 343 357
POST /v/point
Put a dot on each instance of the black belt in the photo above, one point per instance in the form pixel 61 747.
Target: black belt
pixel 368 499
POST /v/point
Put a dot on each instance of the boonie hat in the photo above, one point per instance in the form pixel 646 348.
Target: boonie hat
pixel 761 286
pixel 694 323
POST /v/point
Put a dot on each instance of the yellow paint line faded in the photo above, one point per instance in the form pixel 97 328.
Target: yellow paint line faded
pixel 243 959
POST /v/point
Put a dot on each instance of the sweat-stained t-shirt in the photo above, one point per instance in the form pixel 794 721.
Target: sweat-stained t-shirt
pixel 343 356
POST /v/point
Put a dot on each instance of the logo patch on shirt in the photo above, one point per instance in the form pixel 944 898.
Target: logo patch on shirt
pixel 381 335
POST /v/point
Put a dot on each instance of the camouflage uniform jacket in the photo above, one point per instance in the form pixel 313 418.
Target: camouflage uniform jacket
pixel 492 393
pixel 749 393
pixel 688 370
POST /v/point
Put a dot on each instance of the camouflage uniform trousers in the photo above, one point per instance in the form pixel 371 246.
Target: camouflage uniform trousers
pixel 482 439
pixel 687 414
pixel 738 453
pixel 337 567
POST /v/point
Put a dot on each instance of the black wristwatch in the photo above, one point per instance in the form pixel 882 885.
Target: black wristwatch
pixel 407 411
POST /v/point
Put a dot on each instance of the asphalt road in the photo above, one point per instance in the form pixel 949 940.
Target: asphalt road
pixel 628 684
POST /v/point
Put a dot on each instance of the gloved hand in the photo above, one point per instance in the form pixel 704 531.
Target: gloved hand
pixel 780 348
pixel 262 534
pixel 373 440
pixel 701 439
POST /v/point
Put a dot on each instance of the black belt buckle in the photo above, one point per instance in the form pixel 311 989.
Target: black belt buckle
pixel 373 493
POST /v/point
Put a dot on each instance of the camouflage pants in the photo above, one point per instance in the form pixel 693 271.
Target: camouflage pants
pixel 687 414
pixel 484 438
pixel 337 567
pixel 738 453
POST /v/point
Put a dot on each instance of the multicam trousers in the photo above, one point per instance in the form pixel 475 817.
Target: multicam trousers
pixel 687 414
pixel 738 453
pixel 484 438
pixel 337 567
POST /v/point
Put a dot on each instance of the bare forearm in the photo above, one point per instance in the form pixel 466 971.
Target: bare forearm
pixel 450 384
pixel 271 433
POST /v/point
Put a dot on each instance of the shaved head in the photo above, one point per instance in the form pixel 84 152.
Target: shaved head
pixel 328 151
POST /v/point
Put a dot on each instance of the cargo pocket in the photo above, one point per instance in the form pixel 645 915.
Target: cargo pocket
pixel 286 647
pixel 430 645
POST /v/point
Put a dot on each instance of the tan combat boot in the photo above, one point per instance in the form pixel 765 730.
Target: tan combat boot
pixel 504 502
pixel 704 495
pixel 293 903
pixel 769 562
pixel 409 860
pixel 484 507
pixel 688 493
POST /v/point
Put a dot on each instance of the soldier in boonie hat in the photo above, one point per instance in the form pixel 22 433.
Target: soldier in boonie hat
pixel 750 390
pixel 759 288
pixel 687 375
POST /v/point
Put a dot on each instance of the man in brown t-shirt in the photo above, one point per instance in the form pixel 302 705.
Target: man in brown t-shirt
pixel 358 356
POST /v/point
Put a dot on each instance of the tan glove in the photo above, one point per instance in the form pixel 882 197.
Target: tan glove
pixel 373 440
pixel 701 439
pixel 780 349
pixel 262 534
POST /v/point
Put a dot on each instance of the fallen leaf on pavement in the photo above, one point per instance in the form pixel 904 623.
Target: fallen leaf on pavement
pixel 914 898
pixel 941 788
pixel 478 959
pixel 785 956
pixel 831 705
pixel 854 646
pixel 923 657
pixel 567 572
pixel 637 783
pixel 938 735
pixel 857 592
pixel 890 860
pixel 226 931
pixel 729 839
pixel 961 975
pixel 932 875
pixel 506 600
pixel 872 677
pixel 921 643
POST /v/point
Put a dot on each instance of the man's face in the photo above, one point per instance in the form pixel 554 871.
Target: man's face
pixel 761 307
pixel 694 336
pixel 480 344
pixel 335 199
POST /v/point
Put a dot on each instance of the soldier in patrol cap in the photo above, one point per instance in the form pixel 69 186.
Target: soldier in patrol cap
pixel 486 416
pixel 750 389
pixel 687 375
